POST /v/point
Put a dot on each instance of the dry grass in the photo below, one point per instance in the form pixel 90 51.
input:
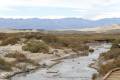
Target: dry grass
pixel 74 41
pixel 20 58
pixel 112 54
pixel 111 58
pixel 5 65
pixel 10 40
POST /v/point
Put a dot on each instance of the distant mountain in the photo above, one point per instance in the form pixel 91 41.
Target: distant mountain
pixel 111 28
pixel 53 24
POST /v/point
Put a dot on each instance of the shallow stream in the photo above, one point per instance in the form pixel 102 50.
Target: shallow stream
pixel 69 69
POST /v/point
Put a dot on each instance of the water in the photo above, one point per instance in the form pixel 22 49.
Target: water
pixel 68 69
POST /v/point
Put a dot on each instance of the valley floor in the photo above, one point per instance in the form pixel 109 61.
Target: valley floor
pixel 76 68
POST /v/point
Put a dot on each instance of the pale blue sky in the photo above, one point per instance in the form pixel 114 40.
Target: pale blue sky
pixel 88 9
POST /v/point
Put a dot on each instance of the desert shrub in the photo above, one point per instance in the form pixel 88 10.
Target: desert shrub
pixel 50 39
pixel 73 43
pixel 35 46
pixel 32 62
pixel 28 35
pixel 78 47
pixel 10 40
pixel 104 68
pixel 115 45
pixel 19 56
pixel 116 41
pixel 113 53
pixel 91 50
pixel 94 76
pixel 117 61
pixel 5 65
pixel 53 41
pixel 31 35
pixel 2 36
pixel 57 45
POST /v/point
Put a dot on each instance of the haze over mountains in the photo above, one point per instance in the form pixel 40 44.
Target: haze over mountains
pixel 55 24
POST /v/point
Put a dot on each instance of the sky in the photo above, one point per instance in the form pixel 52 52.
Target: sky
pixel 87 9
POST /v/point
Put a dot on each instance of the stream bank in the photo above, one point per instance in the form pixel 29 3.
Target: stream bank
pixel 68 69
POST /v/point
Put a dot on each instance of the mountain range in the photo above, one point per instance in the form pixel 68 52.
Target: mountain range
pixel 56 24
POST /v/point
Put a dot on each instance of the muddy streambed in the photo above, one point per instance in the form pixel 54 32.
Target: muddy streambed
pixel 69 69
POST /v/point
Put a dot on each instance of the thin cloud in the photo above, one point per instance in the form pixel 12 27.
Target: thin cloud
pixel 89 9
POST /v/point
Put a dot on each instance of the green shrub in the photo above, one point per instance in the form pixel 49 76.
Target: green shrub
pixel 5 65
pixel 10 40
pixel 35 46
